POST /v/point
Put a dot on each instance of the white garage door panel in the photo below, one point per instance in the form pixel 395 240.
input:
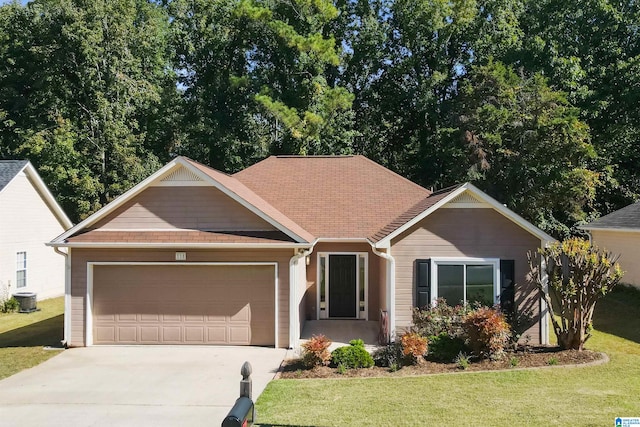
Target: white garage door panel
pixel 183 304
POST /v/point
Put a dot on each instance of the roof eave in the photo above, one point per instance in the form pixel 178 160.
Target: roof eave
pixel 523 223
pixel 176 245
pixel 587 227
pixel 42 188
pixel 114 204
pixel 294 235
pixel 526 225
pixel 178 161
pixel 385 242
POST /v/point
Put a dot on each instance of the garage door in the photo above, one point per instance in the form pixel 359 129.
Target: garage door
pixel 184 304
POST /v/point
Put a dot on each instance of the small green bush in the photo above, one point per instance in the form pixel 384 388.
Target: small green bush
pixel 514 361
pixel 357 342
pixel 315 352
pixel 444 348
pixel 463 361
pixel 10 306
pixel 352 356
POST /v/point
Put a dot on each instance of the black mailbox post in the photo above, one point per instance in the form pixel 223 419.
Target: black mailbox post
pixel 241 415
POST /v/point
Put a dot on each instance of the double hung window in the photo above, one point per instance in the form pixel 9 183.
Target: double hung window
pixel 21 269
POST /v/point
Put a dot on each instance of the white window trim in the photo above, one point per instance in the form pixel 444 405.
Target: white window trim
pixel 89 296
pixel 365 255
pixel 25 269
pixel 495 262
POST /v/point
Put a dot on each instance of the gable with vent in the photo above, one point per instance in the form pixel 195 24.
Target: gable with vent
pixel 181 177
pixel 182 200
pixel 466 200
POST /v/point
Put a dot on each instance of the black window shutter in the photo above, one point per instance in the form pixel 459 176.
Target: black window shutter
pixel 507 286
pixel 422 278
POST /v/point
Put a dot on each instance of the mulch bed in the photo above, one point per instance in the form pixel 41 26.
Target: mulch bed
pixel 534 357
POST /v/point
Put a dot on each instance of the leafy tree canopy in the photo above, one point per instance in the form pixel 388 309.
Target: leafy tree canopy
pixel 535 101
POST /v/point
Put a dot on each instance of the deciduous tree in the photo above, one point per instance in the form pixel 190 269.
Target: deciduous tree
pixel 572 276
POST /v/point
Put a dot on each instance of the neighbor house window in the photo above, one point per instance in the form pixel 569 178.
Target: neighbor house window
pixel 21 270
pixel 466 280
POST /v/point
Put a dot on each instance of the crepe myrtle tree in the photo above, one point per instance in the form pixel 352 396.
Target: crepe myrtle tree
pixel 577 275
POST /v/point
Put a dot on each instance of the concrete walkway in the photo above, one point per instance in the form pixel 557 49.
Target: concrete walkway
pixel 134 386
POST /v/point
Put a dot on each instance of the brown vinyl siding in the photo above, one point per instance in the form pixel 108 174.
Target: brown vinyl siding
pixel 373 275
pixel 462 232
pixel 82 256
pixel 625 244
pixel 195 208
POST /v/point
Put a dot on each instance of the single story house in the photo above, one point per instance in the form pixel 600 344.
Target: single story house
pixel 619 233
pixel 29 218
pixel 195 256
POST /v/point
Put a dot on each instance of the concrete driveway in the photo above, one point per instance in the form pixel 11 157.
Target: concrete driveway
pixel 134 386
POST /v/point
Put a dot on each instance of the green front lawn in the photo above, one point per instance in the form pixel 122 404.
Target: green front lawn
pixel 23 336
pixel 587 396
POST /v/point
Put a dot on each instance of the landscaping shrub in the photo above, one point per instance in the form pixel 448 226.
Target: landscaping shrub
pixel 414 346
pixel 444 348
pixel 441 318
pixel 315 352
pixel 487 331
pixel 352 356
pixel 463 361
pixel 10 305
pixel 389 356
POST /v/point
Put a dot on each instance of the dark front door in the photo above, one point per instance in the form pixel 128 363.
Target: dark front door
pixel 342 286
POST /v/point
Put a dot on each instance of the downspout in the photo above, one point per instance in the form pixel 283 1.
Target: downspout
pixel 67 295
pixel 294 313
pixel 391 288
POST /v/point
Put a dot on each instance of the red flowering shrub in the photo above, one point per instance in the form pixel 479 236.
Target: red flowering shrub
pixel 315 352
pixel 487 331
pixel 413 345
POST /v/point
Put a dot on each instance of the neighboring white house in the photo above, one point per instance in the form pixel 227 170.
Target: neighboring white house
pixel 29 217
pixel 619 232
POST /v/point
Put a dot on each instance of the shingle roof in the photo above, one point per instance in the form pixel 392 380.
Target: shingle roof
pixel 627 217
pixel 9 169
pixel 333 196
pixel 311 196
pixel 187 236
